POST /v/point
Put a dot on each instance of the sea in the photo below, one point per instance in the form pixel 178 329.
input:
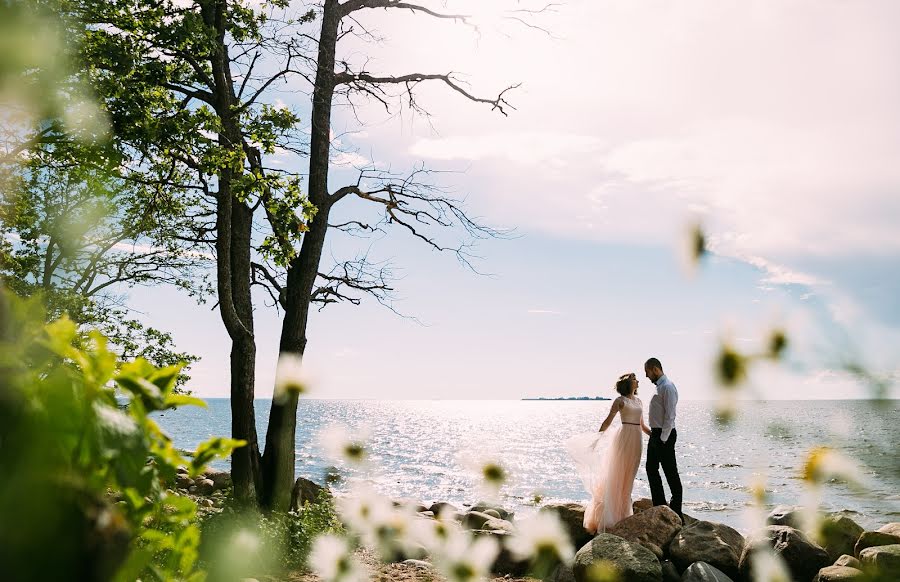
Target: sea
pixel 424 450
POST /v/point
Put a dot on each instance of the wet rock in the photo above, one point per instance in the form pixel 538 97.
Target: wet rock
pixel 803 557
pixel 882 559
pixel 652 528
pixel 706 541
pixel 837 574
pixel 788 515
pixel 631 562
pixel 891 528
pixel 703 572
pixel 849 561
pixel 572 517
pixel 839 535
pixel 870 539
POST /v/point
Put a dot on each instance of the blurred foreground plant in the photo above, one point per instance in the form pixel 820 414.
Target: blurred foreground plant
pixel 85 468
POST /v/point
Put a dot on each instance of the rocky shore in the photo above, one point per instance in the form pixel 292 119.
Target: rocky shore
pixel 653 545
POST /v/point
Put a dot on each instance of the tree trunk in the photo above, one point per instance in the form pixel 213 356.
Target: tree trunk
pixel 278 461
pixel 234 227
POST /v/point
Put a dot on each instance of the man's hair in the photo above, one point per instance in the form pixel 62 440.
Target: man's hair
pixel 653 363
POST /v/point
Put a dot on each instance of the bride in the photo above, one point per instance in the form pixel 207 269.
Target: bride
pixel 608 462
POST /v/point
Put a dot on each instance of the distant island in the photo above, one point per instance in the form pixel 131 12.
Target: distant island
pixel 570 398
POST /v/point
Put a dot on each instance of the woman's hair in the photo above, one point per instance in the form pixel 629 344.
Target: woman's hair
pixel 623 385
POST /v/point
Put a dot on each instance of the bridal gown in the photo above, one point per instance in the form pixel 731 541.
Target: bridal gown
pixel 608 463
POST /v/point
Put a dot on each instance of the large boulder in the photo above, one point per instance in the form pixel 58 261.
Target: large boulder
pixel 803 557
pixel 562 573
pixel 848 561
pixel 891 528
pixel 641 504
pixel 498 525
pixel 572 517
pixel 442 506
pixel 205 486
pixel 871 539
pixel 703 572
pixel 482 506
pixel 631 562
pixel 713 543
pixel 837 574
pixel 305 491
pixel 882 559
pixel 838 535
pixel 652 528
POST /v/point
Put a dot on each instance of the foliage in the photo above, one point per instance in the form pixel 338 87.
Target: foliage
pixel 246 542
pixel 85 466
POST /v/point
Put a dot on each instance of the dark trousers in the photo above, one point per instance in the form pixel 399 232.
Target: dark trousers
pixel 663 453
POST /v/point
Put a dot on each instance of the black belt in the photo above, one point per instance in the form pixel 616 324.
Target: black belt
pixel 634 423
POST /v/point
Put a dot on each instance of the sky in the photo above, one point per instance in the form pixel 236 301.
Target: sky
pixel 774 125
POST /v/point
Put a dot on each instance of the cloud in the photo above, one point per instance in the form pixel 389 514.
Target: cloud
pixel 527 147
pixel 544 312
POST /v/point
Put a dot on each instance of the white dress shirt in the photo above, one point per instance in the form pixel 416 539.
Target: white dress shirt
pixel 662 407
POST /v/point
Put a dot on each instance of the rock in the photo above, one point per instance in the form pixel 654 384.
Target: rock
pixel 498 525
pixel 205 486
pixel 838 535
pixel 419 564
pixel 182 469
pixel 193 489
pixel 870 539
pixel 785 515
pixel 713 543
pixel 482 506
pixel 837 574
pixel 493 513
pixel 505 562
pixel 891 528
pixel 670 572
pixel 572 517
pixel 652 528
pixel 305 491
pixel 803 557
pixel 848 561
pixel 205 502
pixel 425 514
pixel 703 572
pixel 883 559
pixel 475 520
pixel 562 573
pixel 221 479
pixel 414 505
pixel 440 506
pixel 641 504
pixel 631 562
pixel 182 481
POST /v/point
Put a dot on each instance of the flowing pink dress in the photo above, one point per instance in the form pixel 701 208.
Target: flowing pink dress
pixel 608 463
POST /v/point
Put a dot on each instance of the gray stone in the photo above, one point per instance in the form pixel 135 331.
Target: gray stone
pixel 837 574
pixel 870 539
pixel 572 517
pixel 499 525
pixel 418 564
pixel 652 528
pixel 503 513
pixel 505 563
pixel 440 506
pixel 703 572
pixel 891 528
pixel 221 479
pixel 849 561
pixel 182 481
pixel 631 562
pixel 713 543
pixel 475 519
pixel 670 572
pixel 839 535
pixel 785 515
pixel 493 513
pixel 562 573
pixel 885 560
pixel 803 557
pixel 306 491
pixel 205 486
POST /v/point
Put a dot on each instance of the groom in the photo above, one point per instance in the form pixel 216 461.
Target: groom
pixel 661 448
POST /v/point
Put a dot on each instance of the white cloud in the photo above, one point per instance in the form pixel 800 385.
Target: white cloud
pixel 526 147
pixel 544 312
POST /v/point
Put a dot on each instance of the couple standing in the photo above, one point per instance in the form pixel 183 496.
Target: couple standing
pixel 608 463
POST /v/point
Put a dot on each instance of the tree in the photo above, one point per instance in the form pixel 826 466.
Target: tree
pixel 411 202
pixel 78 236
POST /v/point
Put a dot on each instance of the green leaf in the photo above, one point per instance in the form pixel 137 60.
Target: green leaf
pixel 175 400
pixel 213 448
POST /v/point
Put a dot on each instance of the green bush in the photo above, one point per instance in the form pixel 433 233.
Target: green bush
pixel 244 543
pixel 85 469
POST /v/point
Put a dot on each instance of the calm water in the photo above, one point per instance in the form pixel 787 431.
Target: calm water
pixel 417 447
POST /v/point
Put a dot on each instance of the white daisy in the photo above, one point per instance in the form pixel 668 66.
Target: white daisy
pixel 332 558
pixel 542 537
pixel 464 559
